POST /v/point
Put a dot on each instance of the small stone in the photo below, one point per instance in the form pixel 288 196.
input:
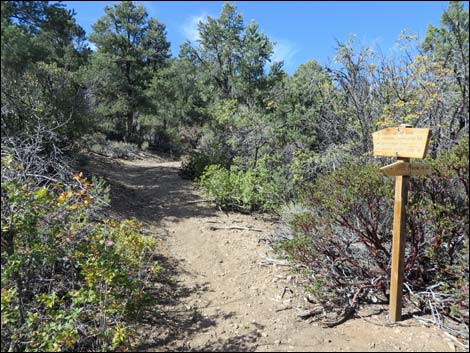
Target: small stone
pixel 277 342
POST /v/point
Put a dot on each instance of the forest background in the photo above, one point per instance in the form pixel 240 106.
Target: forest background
pixel 254 137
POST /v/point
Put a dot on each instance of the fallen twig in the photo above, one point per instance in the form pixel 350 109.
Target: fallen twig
pixel 288 307
pixel 266 261
pixel 285 290
pixel 235 227
pixel 196 201
pixel 310 312
pixel 344 316
pixel 456 340
pixel 222 222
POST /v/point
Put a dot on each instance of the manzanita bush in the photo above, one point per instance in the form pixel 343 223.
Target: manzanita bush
pixel 342 236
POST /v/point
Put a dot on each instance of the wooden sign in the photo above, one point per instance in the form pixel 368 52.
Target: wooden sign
pixel 401 142
pixel 405 168
pixel 404 143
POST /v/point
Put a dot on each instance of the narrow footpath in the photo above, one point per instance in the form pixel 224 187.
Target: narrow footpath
pixel 217 291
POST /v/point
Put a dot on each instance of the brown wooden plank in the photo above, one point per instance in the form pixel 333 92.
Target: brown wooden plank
pixel 405 168
pixel 417 169
pixel 398 247
pixel 401 142
pixel 397 168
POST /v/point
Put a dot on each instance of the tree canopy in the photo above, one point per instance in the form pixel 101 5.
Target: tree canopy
pixel 130 48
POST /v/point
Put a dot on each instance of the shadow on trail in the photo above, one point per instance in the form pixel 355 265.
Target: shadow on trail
pixel 239 343
pixel 167 322
pixel 150 193
pixel 170 323
pixel 153 192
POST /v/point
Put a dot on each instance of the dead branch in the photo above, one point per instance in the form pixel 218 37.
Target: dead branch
pixel 196 201
pixel 288 307
pixel 235 227
pixel 310 312
pixel 266 261
pixel 285 290
pixel 342 317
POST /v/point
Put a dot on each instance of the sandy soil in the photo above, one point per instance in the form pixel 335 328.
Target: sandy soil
pixel 216 294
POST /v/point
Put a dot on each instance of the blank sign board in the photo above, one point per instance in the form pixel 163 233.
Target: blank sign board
pixel 401 142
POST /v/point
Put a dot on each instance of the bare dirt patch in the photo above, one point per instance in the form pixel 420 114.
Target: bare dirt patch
pixel 216 293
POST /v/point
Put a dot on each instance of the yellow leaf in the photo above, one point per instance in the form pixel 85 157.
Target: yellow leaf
pixel 77 176
pixel 64 196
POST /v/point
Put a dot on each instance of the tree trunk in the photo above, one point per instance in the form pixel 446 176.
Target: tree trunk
pixel 130 113
pixel 129 126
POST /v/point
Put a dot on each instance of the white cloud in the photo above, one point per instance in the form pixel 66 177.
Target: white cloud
pixel 284 50
pixel 189 28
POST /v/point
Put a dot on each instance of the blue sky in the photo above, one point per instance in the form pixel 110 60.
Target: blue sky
pixel 303 30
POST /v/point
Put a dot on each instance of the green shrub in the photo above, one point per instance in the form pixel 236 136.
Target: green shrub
pixel 241 190
pixel 98 143
pixel 144 146
pixel 192 166
pixel 69 282
pixel 120 149
pixel 167 140
pixel 211 150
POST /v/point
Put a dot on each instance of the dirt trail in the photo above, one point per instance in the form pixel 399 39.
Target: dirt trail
pixel 215 295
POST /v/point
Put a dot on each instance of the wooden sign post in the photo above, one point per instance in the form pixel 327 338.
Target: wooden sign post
pixel 404 143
